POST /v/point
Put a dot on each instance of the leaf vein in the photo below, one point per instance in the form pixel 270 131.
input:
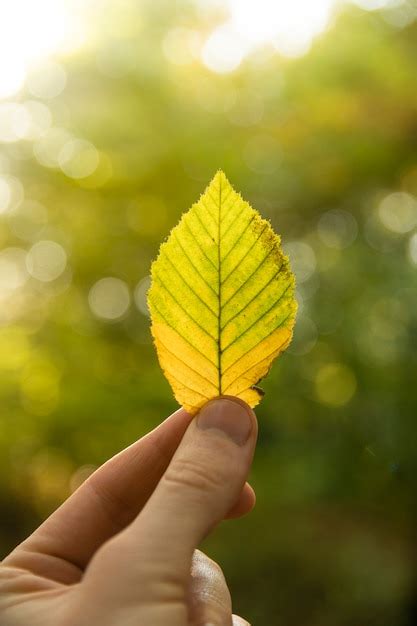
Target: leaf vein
pixel 246 254
pixel 250 350
pixel 204 206
pixel 189 286
pixel 207 233
pixel 258 319
pixel 201 248
pixel 193 266
pixel 239 238
pixel 183 338
pixel 187 365
pixel 187 314
pixel 184 386
pixel 214 200
pixel 233 221
pixel 255 296
pixel 264 358
pixel 251 275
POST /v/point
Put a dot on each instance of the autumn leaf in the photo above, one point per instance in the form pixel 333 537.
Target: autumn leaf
pixel 221 299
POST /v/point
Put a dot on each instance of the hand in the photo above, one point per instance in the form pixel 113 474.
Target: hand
pixel 121 551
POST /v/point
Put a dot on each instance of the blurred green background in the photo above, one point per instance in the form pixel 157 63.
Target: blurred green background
pixel 109 132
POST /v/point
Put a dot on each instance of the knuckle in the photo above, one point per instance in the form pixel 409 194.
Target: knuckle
pixel 204 566
pixel 209 594
pixel 118 509
pixel 194 474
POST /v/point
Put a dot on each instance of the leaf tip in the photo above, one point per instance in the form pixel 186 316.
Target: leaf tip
pixel 220 178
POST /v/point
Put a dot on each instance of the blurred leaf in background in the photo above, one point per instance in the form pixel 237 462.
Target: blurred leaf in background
pixel 113 117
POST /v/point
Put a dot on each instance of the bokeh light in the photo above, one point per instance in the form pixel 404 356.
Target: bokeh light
pixel 48 148
pixel 412 248
pixel 109 298
pixel 26 120
pixel 289 25
pixel 13 272
pixel 398 212
pixel 78 158
pixel 335 384
pixel 224 50
pixel 140 295
pixel 46 80
pixel 303 259
pixel 13 121
pixel 38 119
pixel 337 228
pixel 46 260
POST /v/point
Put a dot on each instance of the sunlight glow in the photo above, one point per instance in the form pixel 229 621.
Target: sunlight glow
pixel 224 50
pixel 289 26
pixel 30 32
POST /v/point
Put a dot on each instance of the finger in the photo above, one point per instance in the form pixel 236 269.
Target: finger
pixel 245 503
pixel 203 480
pixel 239 621
pixel 209 598
pixel 62 546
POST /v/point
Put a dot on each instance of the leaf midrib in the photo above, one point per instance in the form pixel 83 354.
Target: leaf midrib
pixel 219 290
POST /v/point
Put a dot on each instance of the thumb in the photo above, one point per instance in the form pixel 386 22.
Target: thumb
pixel 203 481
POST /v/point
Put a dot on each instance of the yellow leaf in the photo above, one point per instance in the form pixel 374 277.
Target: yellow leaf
pixel 221 299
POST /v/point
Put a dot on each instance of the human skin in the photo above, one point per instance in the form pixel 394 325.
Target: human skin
pixel 122 550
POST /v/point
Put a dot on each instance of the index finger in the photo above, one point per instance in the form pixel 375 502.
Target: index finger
pixel 104 504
